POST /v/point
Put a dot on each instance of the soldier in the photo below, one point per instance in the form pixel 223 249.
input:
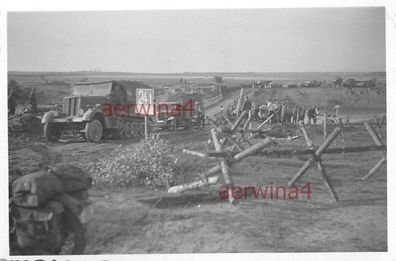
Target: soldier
pixel 283 112
pixel 33 101
pixel 294 113
pixel 263 112
pixel 201 114
pixel 11 103
pixel 247 106
pixel 271 110
pixel 277 111
pixel 301 114
pixel 312 113
pixel 253 111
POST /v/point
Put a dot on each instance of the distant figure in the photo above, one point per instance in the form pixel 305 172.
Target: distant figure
pixel 247 106
pixel 312 114
pixel 301 114
pixel 253 110
pixel 294 114
pixel 283 112
pixel 263 112
pixel 201 113
pixel 11 103
pixel 33 101
pixel 271 110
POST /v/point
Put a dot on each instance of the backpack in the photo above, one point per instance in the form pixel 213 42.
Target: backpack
pixel 72 177
pixel 38 229
pixel 34 189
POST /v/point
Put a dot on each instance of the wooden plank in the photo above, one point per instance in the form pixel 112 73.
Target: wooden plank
pixel 262 124
pixel 194 185
pixel 239 104
pixel 373 135
pixel 326 180
pixel 306 135
pixel 238 121
pixel 299 151
pixel 375 168
pixel 237 157
pixel 225 166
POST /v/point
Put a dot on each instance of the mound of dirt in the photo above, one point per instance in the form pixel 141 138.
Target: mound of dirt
pixel 28 123
pixel 151 163
pixel 32 157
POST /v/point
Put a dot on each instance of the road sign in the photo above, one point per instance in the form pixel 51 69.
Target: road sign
pixel 145 105
pixel 145 102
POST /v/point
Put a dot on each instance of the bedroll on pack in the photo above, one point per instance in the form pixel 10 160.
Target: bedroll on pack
pixel 72 177
pixel 33 189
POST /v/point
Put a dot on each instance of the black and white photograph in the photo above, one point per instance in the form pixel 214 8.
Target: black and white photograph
pixel 194 131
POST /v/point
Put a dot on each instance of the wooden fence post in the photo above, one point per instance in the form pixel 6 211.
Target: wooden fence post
pixel 316 157
pixel 239 104
pixel 325 125
pixel 225 166
pixel 379 142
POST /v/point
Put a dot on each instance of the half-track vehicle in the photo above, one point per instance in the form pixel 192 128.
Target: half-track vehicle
pixel 95 111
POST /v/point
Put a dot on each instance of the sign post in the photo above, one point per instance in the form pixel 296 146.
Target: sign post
pixel 145 105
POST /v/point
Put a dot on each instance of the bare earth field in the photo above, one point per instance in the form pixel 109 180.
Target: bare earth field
pixel 123 224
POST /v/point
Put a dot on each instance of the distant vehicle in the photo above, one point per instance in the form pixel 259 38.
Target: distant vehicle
pixel 95 110
pixel 272 85
pixel 352 83
pixel 313 83
pixel 177 112
pixel 289 85
pixel 336 83
pixel 261 84
pixel 171 116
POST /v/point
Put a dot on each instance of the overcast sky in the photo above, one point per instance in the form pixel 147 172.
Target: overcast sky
pixel 261 40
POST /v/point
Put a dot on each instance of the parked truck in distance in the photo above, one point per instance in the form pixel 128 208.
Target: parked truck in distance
pixel 179 111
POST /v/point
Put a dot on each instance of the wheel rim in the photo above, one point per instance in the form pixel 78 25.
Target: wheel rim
pixel 95 130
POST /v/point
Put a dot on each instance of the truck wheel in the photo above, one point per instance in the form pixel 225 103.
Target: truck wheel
pixel 51 132
pixel 94 131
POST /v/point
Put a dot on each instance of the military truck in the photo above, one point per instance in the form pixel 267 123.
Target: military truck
pixel 176 112
pixel 97 110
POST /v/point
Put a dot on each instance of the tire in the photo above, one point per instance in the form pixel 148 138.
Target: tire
pixel 94 131
pixel 51 132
